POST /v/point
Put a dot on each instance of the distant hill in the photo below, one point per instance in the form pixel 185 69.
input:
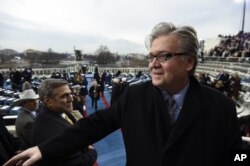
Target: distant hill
pixel 8 51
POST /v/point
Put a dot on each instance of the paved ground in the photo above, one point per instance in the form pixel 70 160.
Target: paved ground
pixel 110 150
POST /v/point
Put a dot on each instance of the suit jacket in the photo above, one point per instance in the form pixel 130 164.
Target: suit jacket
pixel 24 125
pixel 204 133
pixel 49 124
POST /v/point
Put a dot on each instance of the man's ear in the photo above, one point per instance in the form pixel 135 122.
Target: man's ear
pixel 191 63
pixel 48 101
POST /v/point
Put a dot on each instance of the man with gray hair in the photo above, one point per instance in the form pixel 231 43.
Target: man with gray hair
pixel 172 120
pixel 55 116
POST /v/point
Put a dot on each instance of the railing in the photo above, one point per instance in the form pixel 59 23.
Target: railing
pixel 49 71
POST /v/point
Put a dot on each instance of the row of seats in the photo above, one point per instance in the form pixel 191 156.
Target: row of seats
pixel 7 98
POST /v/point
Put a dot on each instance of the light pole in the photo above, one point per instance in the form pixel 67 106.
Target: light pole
pixel 243 18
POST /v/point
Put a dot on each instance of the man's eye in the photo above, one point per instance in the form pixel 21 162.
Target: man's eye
pixel 162 57
pixel 168 55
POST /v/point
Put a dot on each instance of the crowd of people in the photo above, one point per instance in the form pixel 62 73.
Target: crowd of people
pixel 39 121
pixel 18 78
pixel 230 85
pixel 165 121
pixel 31 128
pixel 161 119
pixel 225 83
pixel 232 46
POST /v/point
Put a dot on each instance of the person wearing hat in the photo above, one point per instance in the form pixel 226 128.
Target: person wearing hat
pixel 26 117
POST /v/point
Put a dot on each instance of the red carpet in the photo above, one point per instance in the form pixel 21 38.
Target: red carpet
pixel 104 100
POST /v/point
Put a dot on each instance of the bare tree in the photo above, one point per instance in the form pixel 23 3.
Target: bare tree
pixel 102 49
pixel 104 56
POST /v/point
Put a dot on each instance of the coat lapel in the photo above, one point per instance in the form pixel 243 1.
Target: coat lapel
pixel 56 118
pixel 191 109
pixel 27 114
pixel 162 124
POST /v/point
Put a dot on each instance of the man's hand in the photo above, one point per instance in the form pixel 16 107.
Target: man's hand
pixel 26 158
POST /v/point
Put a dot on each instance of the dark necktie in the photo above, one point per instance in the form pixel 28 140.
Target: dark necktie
pixel 171 109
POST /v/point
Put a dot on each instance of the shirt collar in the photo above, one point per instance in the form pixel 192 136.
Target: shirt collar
pixel 29 111
pixel 178 97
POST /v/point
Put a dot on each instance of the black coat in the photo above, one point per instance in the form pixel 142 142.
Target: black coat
pixel 94 92
pixel 9 144
pixel 49 124
pixel 205 131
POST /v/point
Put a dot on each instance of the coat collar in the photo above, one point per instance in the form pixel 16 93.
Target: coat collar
pixel 25 111
pixel 55 117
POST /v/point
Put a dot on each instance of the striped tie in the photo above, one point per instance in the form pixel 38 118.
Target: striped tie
pixel 171 109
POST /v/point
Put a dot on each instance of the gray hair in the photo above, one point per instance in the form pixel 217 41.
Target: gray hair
pixel 187 34
pixel 48 85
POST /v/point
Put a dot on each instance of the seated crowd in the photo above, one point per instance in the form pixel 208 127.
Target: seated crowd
pixel 232 46
pixel 228 84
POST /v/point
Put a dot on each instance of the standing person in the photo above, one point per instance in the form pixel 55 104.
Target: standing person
pixel 26 117
pixel 11 75
pixel 84 90
pixel 17 80
pixel 65 75
pixel 77 100
pixel 199 128
pixel 96 75
pixel 94 93
pixel 27 76
pixel 1 80
pixel 103 82
pixel 54 117
pixel 83 93
pixel 78 79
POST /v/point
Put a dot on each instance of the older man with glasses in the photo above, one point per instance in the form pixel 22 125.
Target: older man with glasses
pixel 172 120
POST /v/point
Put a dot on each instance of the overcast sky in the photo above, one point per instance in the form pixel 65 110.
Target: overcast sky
pixel 121 25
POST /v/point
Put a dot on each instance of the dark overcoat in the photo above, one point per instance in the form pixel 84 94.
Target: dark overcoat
pixel 203 135
pixel 49 124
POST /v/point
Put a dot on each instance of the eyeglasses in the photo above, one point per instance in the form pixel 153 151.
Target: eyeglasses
pixel 64 96
pixel 164 56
